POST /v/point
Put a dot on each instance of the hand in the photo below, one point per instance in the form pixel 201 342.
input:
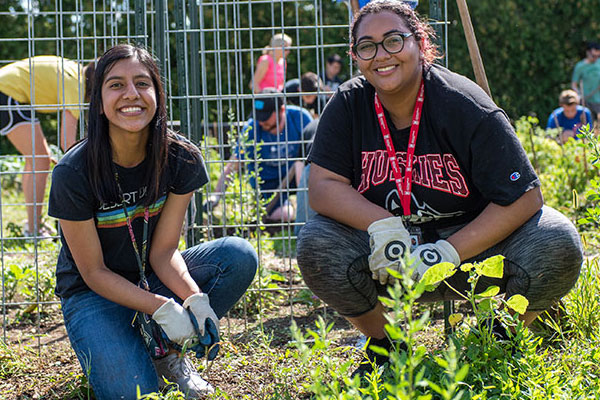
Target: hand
pixel 200 306
pixel 389 242
pixel 174 320
pixel 429 254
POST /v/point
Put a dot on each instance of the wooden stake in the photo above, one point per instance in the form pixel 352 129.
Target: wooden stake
pixel 465 18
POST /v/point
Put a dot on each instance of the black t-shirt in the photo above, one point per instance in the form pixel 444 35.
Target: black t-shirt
pixel 467 154
pixel 71 198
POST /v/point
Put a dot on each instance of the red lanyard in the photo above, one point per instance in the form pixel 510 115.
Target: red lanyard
pixel 412 141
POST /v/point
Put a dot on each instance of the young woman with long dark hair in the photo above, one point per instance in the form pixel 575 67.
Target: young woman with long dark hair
pixel 411 159
pixel 121 195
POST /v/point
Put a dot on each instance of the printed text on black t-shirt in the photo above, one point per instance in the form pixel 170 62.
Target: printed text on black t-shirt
pixel 436 171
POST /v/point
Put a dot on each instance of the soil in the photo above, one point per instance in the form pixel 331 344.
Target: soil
pixel 38 362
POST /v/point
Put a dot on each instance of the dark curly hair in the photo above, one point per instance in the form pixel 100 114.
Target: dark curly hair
pixel 421 30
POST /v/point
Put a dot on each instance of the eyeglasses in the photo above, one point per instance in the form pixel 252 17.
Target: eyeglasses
pixel 367 49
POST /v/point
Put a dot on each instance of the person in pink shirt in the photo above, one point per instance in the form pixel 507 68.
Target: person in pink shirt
pixel 270 68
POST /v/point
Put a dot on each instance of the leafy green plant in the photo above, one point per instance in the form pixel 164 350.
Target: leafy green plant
pixel 23 282
pixel 263 295
pixel 561 169
pixel 474 364
pixel 307 297
pixel 10 169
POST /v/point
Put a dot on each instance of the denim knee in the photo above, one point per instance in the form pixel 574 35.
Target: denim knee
pixel 111 352
pixel 245 261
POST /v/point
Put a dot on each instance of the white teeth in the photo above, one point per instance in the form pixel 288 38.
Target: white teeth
pixel 386 68
pixel 131 109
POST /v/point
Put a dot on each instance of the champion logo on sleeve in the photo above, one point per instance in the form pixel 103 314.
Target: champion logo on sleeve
pixel 515 176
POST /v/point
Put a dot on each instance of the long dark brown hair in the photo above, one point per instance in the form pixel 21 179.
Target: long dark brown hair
pixel 160 138
pixel 422 31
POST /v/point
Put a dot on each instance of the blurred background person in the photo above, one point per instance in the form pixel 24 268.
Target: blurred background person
pixel 586 79
pixel 330 75
pixel 57 84
pixel 569 116
pixel 278 127
pixel 271 65
pixel 311 84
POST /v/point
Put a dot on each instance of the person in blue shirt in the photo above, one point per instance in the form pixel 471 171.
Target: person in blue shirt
pixel 569 116
pixel 277 130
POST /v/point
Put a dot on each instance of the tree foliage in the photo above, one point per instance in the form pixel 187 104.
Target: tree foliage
pixel 529 48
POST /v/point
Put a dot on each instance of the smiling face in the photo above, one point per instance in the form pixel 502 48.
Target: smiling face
pixel 128 97
pixel 389 73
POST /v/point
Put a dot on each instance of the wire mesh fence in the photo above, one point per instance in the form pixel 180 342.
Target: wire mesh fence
pixel 209 54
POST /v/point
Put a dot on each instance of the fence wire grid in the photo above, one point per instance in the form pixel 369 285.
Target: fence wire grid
pixel 207 52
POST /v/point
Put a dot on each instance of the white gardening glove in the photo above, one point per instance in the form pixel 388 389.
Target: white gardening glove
pixel 427 255
pixel 389 241
pixel 200 306
pixel 175 321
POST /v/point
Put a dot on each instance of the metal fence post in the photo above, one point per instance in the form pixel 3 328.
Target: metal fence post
pixel 141 36
pixel 435 13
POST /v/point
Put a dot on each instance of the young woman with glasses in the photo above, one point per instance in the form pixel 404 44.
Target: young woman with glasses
pixel 414 162
pixel 121 196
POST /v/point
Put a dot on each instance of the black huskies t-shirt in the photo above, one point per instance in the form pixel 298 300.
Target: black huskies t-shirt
pixel 467 154
pixel 71 198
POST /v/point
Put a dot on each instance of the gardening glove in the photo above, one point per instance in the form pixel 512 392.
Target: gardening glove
pixel 208 343
pixel 427 255
pixel 174 320
pixel 200 306
pixel 389 242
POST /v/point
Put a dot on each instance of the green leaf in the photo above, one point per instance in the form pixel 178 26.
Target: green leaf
pixel 454 319
pixel 466 267
pixel 489 292
pixel 379 350
pixel 518 303
pixel 438 273
pixel 485 305
pixel 492 267
pixel 462 373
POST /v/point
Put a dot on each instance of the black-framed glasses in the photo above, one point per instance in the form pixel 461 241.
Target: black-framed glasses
pixel 367 49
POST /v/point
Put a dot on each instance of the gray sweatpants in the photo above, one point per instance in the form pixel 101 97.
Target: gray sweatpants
pixel 542 262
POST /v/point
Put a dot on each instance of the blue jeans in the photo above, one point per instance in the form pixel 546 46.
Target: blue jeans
pixel 111 351
pixel 304 212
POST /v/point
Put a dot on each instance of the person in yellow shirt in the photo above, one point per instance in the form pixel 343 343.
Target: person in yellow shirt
pixel 41 84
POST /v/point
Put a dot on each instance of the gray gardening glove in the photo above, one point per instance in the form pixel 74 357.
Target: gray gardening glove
pixel 200 306
pixel 427 255
pixel 389 241
pixel 174 320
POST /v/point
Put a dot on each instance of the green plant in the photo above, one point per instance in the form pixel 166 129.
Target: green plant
pixel 10 169
pixel 473 364
pixel 263 295
pixel 25 283
pixel 561 169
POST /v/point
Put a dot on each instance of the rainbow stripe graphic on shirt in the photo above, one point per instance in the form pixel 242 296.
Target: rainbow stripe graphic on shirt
pixel 116 218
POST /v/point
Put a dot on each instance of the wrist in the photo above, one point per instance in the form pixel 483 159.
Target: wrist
pixel 385 223
pixel 157 302
pixel 195 297
pixel 450 251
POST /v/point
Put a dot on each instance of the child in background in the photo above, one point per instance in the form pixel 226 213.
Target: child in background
pixel 569 116
pixel 270 68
